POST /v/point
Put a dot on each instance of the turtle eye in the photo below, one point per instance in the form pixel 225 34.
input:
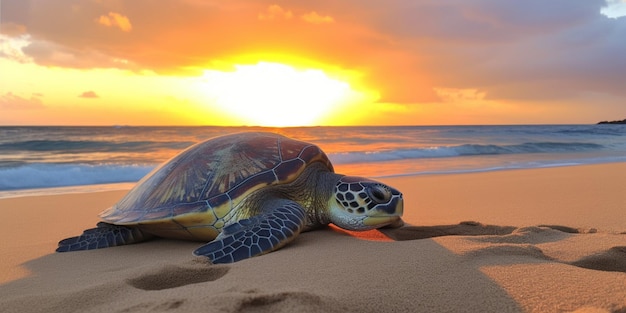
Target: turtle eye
pixel 379 194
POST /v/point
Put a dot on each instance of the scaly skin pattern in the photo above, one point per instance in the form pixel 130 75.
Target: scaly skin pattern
pixel 257 235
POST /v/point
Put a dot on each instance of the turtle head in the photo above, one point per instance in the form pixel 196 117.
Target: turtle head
pixel 362 204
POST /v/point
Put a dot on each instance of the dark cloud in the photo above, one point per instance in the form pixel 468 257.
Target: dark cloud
pixel 89 95
pixel 512 50
pixel 534 50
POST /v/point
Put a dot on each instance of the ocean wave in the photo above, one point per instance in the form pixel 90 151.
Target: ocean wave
pixel 597 130
pixel 16 175
pixel 461 150
pixel 70 146
pixel 42 175
pixel 35 175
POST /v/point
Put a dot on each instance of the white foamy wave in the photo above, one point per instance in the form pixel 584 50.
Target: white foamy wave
pixel 392 155
pixel 58 175
pixel 460 150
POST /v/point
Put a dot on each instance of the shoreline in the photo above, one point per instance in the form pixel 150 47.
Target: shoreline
pixel 74 189
pixel 547 239
pixel 64 190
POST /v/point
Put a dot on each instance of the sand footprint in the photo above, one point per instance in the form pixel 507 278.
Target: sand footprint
pixel 172 276
pixel 521 250
pixel 287 301
pixel 164 306
pixel 612 260
pixel 516 241
pixel 274 302
pixel 532 235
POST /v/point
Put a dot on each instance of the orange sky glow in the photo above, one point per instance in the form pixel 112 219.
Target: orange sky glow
pixel 306 63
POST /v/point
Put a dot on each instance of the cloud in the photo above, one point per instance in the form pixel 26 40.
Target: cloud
pixel 505 50
pixel 314 18
pixel 274 12
pixel 89 95
pixel 10 101
pixel 50 53
pixel 614 8
pixel 115 20
pixel 532 50
pixel 11 47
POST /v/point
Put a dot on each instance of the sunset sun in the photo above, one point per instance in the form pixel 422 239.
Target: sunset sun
pixel 274 94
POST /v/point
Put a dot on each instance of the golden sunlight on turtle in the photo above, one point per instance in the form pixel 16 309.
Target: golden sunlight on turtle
pixel 274 94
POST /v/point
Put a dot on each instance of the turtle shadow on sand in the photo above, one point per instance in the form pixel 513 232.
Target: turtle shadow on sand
pixel 462 229
pixel 611 260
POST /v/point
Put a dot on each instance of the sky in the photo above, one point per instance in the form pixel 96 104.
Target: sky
pixel 307 63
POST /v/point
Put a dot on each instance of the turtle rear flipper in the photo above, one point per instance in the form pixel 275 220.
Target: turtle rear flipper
pixel 103 236
pixel 257 235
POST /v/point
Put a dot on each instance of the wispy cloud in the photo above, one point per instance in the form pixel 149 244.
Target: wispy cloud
pixel 275 12
pixel 314 18
pixel 115 20
pixel 15 102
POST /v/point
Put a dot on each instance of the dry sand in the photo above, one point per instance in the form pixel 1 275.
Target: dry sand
pixel 508 262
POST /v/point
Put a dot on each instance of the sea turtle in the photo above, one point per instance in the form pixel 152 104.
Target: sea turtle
pixel 246 194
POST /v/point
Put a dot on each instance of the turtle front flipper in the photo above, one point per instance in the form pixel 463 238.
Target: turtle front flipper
pixel 103 236
pixel 257 235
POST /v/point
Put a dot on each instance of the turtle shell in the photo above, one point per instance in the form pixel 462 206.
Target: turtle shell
pixel 213 177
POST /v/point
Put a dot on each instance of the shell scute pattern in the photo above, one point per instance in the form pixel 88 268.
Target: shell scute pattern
pixel 220 205
pixel 215 176
pixel 290 149
pixel 314 153
pixel 131 217
pixel 183 214
pixel 289 168
pixel 151 215
pixel 189 207
pixel 184 180
pixel 237 162
pixel 253 183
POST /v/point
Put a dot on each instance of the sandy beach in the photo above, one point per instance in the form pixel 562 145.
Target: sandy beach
pixel 533 240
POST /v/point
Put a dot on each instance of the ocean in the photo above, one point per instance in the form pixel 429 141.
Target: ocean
pixel 35 160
